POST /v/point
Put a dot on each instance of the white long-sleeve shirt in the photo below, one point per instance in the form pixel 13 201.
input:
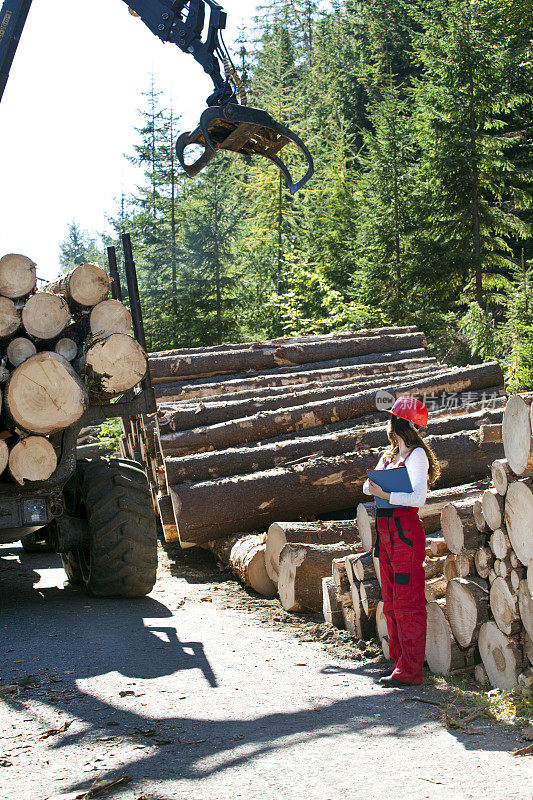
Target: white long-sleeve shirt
pixel 417 466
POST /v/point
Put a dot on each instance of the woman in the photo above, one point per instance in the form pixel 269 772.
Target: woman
pixel 401 542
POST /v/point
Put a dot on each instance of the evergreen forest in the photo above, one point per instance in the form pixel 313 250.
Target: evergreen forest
pixel 419 118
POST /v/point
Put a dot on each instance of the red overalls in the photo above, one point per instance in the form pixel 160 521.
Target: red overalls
pixel 401 547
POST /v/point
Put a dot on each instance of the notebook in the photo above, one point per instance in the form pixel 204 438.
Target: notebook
pixel 390 480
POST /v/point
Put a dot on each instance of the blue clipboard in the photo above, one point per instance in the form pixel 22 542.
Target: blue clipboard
pixel 390 480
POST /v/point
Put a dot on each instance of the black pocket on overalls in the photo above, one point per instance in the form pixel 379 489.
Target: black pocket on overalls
pixel 402 585
pixel 401 535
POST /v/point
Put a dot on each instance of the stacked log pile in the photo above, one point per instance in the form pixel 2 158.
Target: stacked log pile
pixel 247 434
pixel 61 347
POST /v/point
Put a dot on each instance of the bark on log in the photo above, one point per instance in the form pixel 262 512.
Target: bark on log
pixel 45 316
pixel 483 559
pixel 525 607
pixel 285 340
pixel 501 475
pixel 301 569
pixel 204 414
pixel 363 568
pixel 491 433
pixel 516 434
pixel 525 679
pixel 254 458
pixel 84 286
pixel 281 533
pixel 44 394
pixel 204 364
pixel 458 526
pixel 245 555
pixel 434 567
pixel 467 606
pixel 10 319
pixel 349 620
pixel 67 348
pixel 262 385
pixel 340 578
pixel 443 654
pixel 17 276
pixel 32 459
pixel 504 607
pixel 370 594
pixel 113 365
pixel 519 519
pixel 437 545
pixel 459 565
pixel 501 656
pixel 331 608
pixel 211 510
pixel 20 349
pixel 528 648
pixel 429 514
pixel 492 504
pixel 110 316
pixel 273 423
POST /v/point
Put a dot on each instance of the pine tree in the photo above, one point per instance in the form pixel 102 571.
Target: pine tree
pixel 78 247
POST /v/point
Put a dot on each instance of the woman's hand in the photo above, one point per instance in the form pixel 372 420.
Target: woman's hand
pixel 377 491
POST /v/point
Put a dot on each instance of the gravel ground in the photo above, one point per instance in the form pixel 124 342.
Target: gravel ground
pixel 204 692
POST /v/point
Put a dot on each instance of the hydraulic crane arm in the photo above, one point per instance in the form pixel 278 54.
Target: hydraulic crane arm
pixel 227 124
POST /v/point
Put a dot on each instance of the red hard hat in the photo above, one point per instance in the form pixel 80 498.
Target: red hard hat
pixel 411 409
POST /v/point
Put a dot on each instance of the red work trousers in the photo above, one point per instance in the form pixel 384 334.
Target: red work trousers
pixel 401 547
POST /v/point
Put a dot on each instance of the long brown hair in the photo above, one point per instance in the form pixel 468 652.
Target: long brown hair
pixel 401 427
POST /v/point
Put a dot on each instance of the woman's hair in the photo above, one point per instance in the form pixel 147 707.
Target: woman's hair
pixel 401 427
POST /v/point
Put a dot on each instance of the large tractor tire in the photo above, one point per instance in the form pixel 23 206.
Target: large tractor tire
pixel 120 559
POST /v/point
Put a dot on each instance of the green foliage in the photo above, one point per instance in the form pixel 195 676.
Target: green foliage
pixel 418 116
pixel 78 247
pixel 109 433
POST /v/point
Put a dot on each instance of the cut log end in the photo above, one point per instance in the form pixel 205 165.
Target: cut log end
pixel 17 275
pixel 32 459
pixel 45 316
pixel 110 316
pixel 20 349
pixel 45 395
pixel 10 318
pixel 516 434
pixel 88 285
pixel 501 656
pixel 115 364
pixel 67 348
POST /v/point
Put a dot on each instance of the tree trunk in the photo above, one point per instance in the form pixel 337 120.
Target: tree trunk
pixel 459 565
pixel 516 434
pixel 84 287
pixel 519 519
pixel 254 458
pixel 201 415
pixel 301 569
pixel 479 519
pixel 501 656
pixel 110 316
pixel 443 654
pixel 504 607
pixel 242 387
pixel 10 319
pixel 429 514
pixel 467 605
pixel 19 349
pixel 113 365
pixel 212 510
pixel 32 459
pixel 67 348
pixel 228 361
pixel 435 588
pixel 245 555
pixel 492 504
pixel 45 316
pixel 458 526
pixel 331 608
pixel 273 423
pixel 17 276
pixel 44 394
pixel 4 456
pixel 281 533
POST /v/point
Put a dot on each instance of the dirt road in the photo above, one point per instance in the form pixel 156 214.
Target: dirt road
pixel 200 692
